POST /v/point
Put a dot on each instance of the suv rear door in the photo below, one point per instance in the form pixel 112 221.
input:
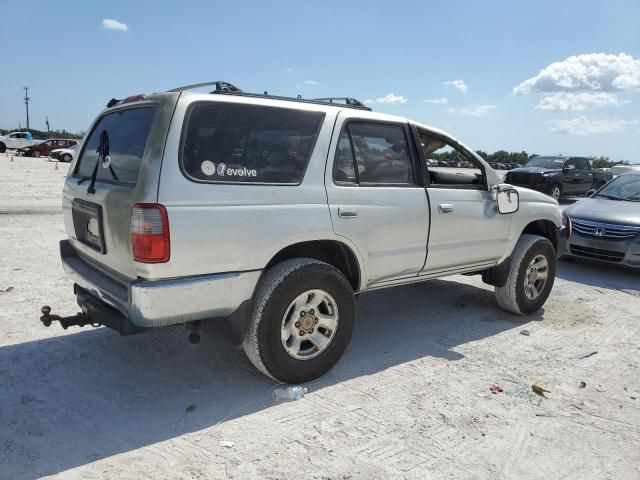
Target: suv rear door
pixel 132 136
pixel 374 197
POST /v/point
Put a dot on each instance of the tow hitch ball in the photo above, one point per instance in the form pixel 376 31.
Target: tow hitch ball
pixel 80 319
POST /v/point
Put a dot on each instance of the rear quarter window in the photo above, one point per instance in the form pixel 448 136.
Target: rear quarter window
pixel 238 143
pixel 127 132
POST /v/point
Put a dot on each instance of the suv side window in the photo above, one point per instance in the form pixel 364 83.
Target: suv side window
pixel 571 162
pixel 372 153
pixel 240 143
pixel 447 166
pixel 582 164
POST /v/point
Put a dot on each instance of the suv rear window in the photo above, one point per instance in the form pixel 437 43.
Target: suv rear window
pixel 127 132
pixel 238 143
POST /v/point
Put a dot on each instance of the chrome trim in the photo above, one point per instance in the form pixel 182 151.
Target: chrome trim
pixel 604 230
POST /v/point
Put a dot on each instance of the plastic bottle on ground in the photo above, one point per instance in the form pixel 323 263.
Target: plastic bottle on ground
pixel 289 394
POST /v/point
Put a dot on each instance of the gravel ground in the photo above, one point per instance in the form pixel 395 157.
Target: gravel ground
pixel 410 399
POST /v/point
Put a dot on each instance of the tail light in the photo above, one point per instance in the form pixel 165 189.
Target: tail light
pixel 150 233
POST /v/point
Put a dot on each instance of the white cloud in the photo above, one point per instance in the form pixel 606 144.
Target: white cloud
pixel 311 83
pixel 478 110
pixel 591 71
pixel 437 101
pixel 111 24
pixel 290 69
pixel 582 126
pixel 577 101
pixel 389 99
pixel 458 85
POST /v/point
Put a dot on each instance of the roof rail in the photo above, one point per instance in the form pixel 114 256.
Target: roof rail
pixel 343 100
pixel 227 88
pixel 221 87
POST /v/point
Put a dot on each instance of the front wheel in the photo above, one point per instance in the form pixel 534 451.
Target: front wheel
pixel 3 147
pixel 556 192
pixel 35 153
pixel 531 276
pixel 302 320
pixel 66 158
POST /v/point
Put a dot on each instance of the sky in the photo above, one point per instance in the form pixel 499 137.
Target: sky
pixel 547 77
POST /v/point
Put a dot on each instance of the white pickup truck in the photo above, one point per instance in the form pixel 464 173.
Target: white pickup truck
pixel 16 140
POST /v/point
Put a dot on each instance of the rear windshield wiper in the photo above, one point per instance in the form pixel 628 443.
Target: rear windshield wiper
pixel 103 155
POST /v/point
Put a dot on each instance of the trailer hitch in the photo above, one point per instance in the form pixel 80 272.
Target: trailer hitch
pixel 80 319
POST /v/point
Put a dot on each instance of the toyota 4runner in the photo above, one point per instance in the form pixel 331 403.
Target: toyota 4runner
pixel 275 213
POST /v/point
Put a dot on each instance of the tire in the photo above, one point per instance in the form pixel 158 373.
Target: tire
pixel 514 296
pixel 66 158
pixel 556 191
pixel 35 153
pixel 3 147
pixel 274 309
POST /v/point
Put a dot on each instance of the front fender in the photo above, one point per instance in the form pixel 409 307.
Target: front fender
pixel 534 206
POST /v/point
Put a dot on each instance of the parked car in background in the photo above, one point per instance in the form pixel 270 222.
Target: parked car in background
pixel 620 169
pixel 558 176
pixel 606 225
pixel 63 154
pixel 15 140
pixel 44 148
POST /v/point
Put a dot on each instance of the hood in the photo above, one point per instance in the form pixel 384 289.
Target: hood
pixel 528 195
pixel 606 211
pixel 535 170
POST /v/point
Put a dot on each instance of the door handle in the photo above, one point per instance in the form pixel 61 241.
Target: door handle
pixel 346 213
pixel 445 208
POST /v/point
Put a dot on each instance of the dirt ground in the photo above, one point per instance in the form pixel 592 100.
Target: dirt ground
pixel 410 399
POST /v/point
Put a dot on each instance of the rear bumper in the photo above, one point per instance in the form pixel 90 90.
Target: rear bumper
pixel 153 303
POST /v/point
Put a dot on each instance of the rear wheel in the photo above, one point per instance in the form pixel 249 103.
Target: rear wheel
pixel 556 191
pixel 3 147
pixel 302 320
pixel 531 276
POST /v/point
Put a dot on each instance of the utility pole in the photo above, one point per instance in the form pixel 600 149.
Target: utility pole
pixel 26 102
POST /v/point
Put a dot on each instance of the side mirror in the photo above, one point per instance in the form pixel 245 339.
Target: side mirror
pixel 508 200
pixel 569 167
pixel 590 192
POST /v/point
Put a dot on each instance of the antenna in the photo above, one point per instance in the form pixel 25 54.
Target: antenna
pixel 26 102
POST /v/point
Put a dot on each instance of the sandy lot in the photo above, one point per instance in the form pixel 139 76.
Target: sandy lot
pixel 410 399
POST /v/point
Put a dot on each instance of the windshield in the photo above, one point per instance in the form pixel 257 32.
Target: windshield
pixel 625 187
pixel 546 162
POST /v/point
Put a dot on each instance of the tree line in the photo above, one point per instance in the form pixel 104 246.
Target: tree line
pixel 519 158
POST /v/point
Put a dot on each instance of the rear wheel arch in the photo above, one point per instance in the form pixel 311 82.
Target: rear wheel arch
pixel 333 252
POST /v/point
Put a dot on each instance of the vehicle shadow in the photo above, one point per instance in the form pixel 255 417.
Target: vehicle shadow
pixel 601 275
pixel 78 398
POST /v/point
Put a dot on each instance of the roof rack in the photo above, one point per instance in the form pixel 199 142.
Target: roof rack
pixel 221 87
pixel 227 88
pixel 342 101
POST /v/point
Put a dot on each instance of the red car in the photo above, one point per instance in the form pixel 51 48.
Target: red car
pixel 45 147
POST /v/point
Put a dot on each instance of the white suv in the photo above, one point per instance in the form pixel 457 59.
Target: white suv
pixel 275 213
